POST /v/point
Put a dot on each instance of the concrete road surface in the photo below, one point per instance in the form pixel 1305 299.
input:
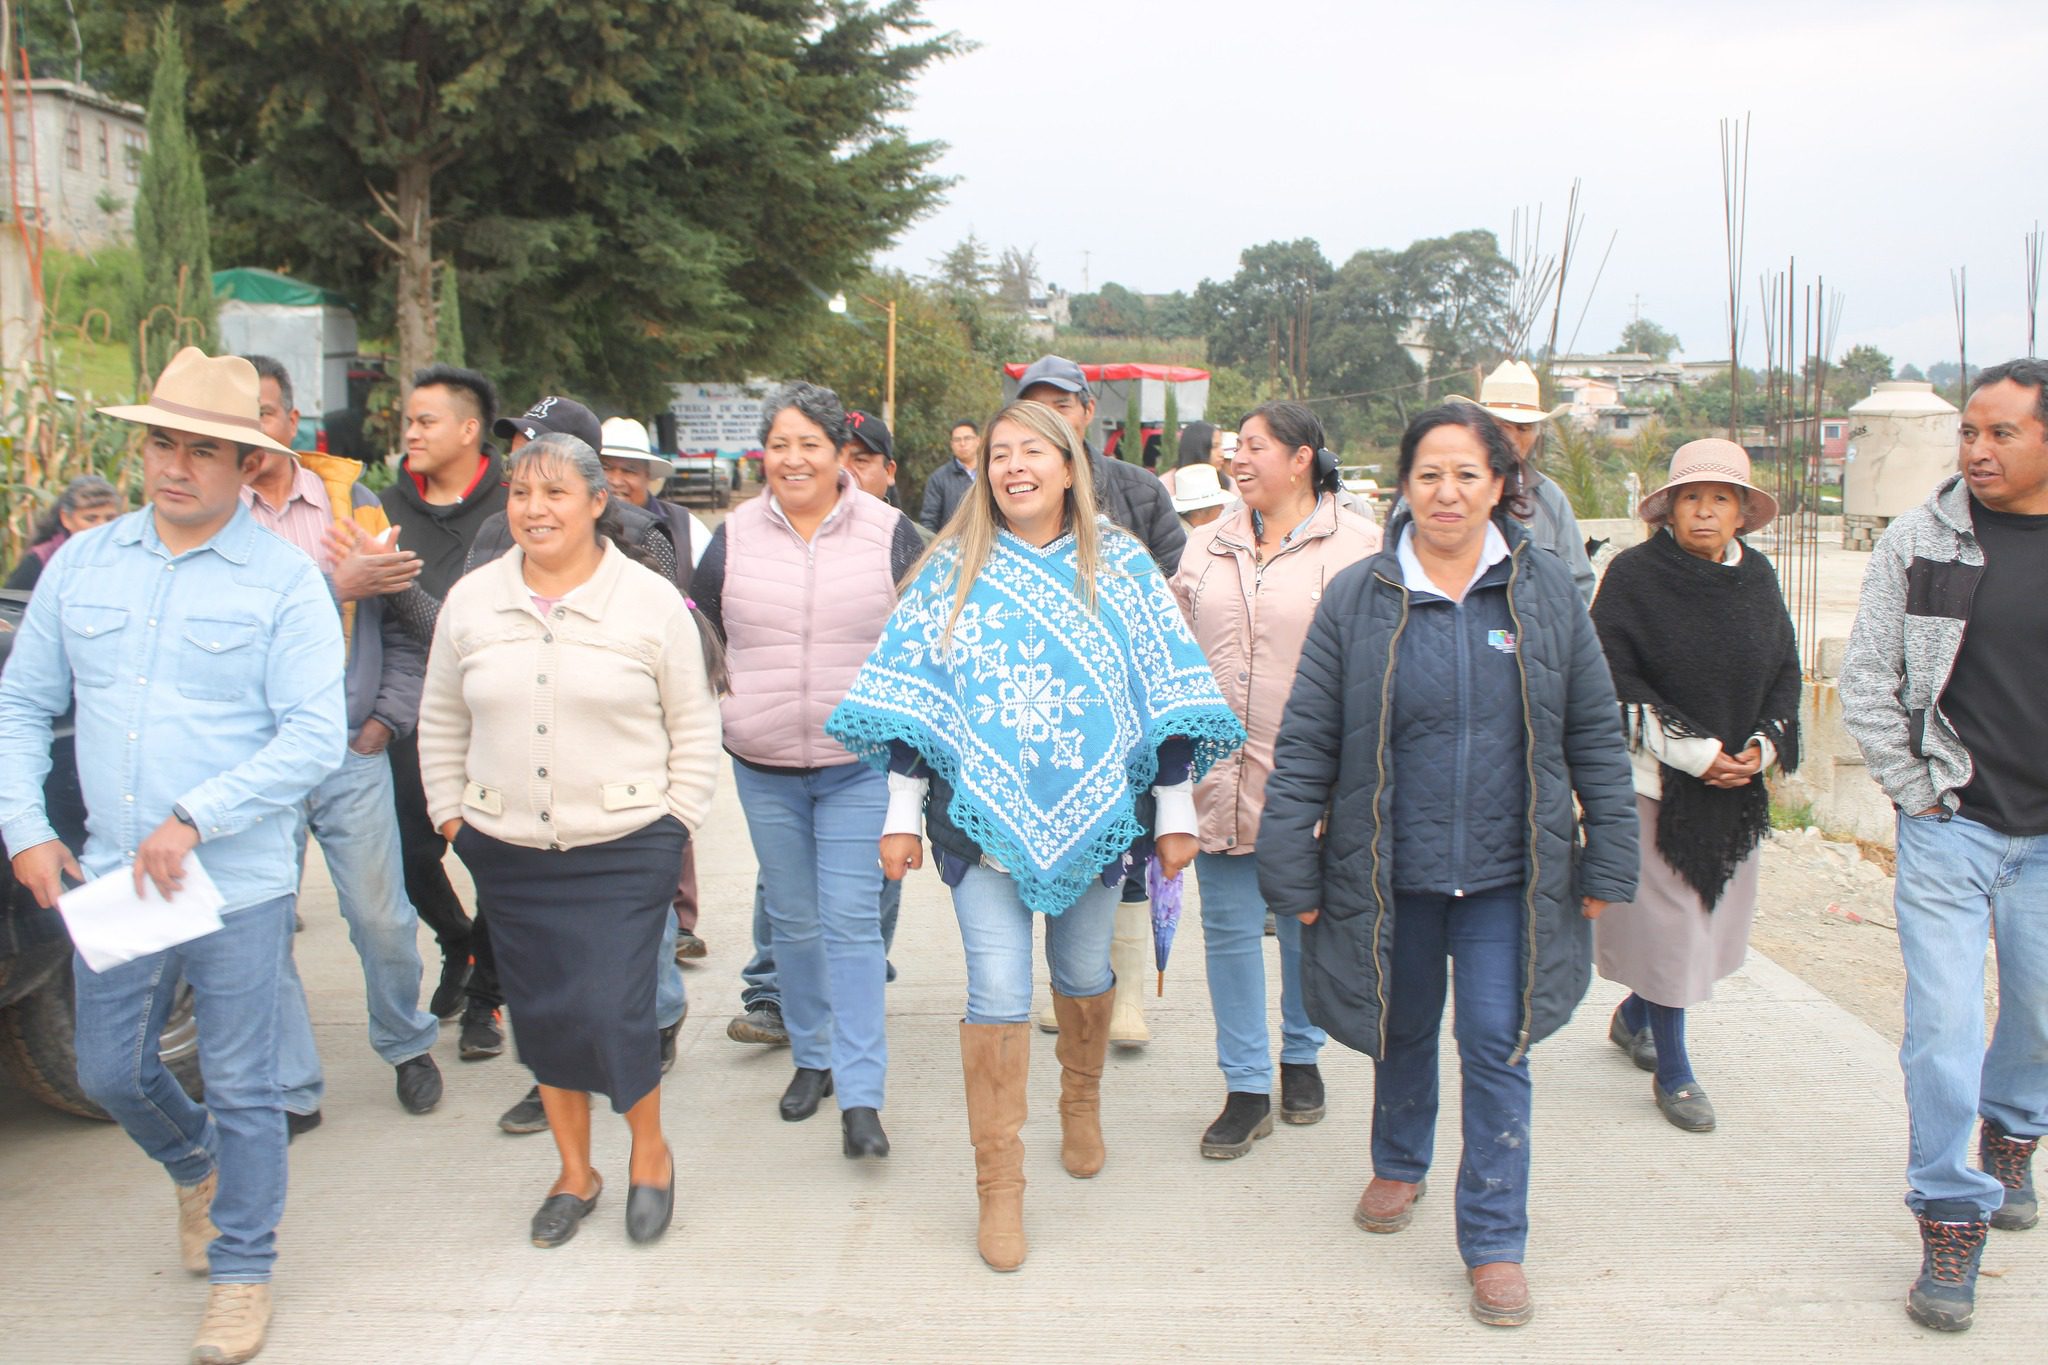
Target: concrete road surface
pixel 1779 1237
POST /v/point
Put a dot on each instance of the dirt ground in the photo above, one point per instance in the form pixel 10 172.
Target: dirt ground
pixel 1826 916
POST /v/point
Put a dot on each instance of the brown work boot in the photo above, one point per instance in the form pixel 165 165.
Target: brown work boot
pixel 1388 1205
pixel 1500 1296
pixel 237 1315
pixel 996 1061
pixel 1084 1042
pixel 195 1224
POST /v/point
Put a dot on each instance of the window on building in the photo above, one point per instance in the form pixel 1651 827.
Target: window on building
pixel 74 142
pixel 131 155
pixel 106 153
pixel 1621 422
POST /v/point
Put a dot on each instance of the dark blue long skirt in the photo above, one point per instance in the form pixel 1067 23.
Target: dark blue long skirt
pixel 578 939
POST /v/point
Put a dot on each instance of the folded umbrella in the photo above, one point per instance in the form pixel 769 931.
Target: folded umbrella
pixel 1165 893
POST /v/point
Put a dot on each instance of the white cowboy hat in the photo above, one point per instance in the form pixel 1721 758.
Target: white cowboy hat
pixel 1196 486
pixel 203 395
pixel 1711 461
pixel 626 439
pixel 1513 394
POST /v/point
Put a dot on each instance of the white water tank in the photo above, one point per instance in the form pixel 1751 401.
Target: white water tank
pixel 1902 442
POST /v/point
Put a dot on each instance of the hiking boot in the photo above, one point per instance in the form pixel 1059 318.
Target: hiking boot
pixel 237 1315
pixel 1639 1044
pixel 195 1223
pixel 1687 1107
pixel 1500 1294
pixel 1388 1205
pixel 1301 1093
pixel 419 1084
pixel 481 1037
pixel 1951 1248
pixel 447 999
pixel 668 1043
pixel 1246 1117
pixel 690 948
pixel 760 1024
pixel 527 1116
pixel 2011 1159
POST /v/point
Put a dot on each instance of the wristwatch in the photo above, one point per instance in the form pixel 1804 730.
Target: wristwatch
pixel 178 814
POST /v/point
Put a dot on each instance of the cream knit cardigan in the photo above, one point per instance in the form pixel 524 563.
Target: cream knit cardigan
pixel 571 730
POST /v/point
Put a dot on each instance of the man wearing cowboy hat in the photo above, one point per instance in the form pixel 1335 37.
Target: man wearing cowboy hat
pixel 1198 495
pixel 635 472
pixel 204 659
pixel 1514 397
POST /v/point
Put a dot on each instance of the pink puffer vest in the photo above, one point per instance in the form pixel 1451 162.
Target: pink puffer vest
pixel 800 620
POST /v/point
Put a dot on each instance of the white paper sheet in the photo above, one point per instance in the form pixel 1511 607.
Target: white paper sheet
pixel 110 924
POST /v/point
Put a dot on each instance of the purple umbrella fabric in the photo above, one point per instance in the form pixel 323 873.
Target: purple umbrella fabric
pixel 1165 894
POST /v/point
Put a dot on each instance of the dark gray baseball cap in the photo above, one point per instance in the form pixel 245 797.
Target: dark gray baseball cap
pixel 1057 371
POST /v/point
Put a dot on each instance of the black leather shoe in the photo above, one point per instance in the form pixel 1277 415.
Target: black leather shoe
pixel 1686 1107
pixel 649 1208
pixel 761 1024
pixel 419 1084
pixel 447 999
pixel 806 1088
pixel 1301 1093
pixel 559 1215
pixel 668 1045
pixel 295 1124
pixel 1245 1118
pixel 861 1130
pixel 527 1116
pixel 1639 1044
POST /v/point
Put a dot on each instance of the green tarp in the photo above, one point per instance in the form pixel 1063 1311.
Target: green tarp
pixel 250 285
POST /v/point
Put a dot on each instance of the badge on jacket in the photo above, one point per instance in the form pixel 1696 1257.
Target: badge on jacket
pixel 1502 640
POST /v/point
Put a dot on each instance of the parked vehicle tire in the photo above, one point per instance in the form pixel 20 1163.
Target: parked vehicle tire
pixel 38 1050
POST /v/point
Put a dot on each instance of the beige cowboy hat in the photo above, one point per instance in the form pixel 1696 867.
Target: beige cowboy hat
pixel 1196 486
pixel 1711 461
pixel 1513 394
pixel 626 438
pixel 204 395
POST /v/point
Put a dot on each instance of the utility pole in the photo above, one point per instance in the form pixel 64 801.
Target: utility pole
pixel 889 370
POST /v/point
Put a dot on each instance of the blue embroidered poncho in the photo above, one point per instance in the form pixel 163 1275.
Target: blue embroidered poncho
pixel 1045 718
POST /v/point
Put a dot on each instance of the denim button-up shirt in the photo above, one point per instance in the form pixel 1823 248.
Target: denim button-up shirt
pixel 210 680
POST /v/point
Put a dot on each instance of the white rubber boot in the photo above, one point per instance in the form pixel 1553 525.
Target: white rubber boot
pixel 1130 957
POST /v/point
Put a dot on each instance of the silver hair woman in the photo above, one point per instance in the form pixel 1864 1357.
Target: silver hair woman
pixel 568 746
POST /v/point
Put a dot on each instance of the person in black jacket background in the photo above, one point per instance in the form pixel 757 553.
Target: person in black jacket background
pixel 1451 703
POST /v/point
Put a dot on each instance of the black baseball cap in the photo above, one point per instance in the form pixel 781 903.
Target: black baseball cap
pixel 553 413
pixel 872 432
pixel 1057 371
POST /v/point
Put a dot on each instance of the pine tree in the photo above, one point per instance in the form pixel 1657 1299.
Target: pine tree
pixel 448 318
pixel 175 303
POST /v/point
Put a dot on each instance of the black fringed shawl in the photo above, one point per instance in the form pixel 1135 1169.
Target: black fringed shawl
pixel 1710 648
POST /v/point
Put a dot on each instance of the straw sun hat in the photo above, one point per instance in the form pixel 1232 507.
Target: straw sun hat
pixel 204 395
pixel 1513 394
pixel 1711 461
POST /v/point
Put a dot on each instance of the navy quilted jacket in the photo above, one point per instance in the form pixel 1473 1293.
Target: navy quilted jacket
pixel 1326 841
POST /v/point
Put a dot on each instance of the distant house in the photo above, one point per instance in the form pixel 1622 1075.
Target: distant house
pixel 1637 377
pixel 74 162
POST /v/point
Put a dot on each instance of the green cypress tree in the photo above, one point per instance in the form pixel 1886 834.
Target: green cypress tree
pixel 175 303
pixel 448 318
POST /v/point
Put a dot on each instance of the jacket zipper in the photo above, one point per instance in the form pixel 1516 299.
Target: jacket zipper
pixel 1463 770
pixel 1535 849
pixel 1379 822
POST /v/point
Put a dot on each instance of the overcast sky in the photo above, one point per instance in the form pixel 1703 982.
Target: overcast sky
pixel 1890 143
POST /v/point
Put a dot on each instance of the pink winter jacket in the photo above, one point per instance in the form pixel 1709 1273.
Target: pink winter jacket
pixel 800 619
pixel 1251 622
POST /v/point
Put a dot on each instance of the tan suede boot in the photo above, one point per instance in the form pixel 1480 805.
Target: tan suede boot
pixel 237 1315
pixel 996 1062
pixel 1130 957
pixel 195 1223
pixel 1083 1043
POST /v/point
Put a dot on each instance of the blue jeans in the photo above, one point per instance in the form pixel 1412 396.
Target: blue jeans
pixel 670 1003
pixel 1957 879
pixel 240 996
pixel 1482 934
pixel 759 986
pixel 995 930
pixel 1234 936
pixel 816 836
pixel 353 816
